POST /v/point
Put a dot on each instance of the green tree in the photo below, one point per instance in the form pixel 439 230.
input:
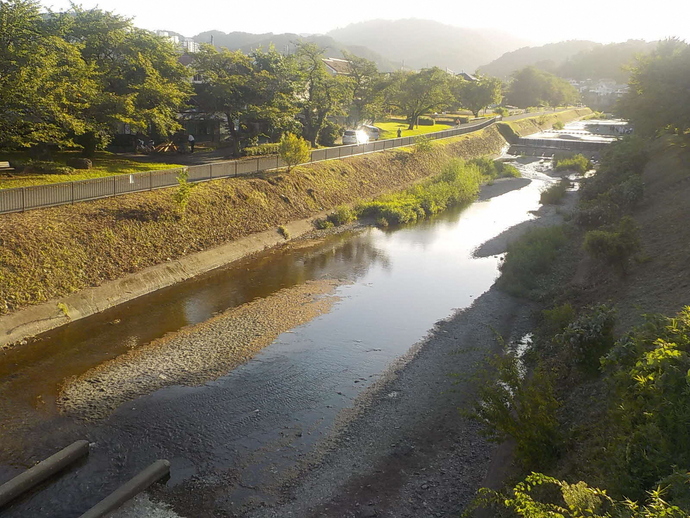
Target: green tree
pixel 418 93
pixel 140 81
pixel 293 150
pixel 368 87
pixel 322 94
pixel 658 100
pixel 533 87
pixel 477 95
pixel 44 84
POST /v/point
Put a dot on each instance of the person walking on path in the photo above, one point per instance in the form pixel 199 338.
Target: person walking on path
pixel 399 133
pixel 191 143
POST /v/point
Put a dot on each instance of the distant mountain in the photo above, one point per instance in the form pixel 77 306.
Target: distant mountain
pixel 285 43
pixel 547 57
pixel 573 59
pixel 425 43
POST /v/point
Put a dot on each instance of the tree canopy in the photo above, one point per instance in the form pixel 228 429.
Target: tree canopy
pixel 533 87
pixel 658 100
pixel 477 95
pixel 418 93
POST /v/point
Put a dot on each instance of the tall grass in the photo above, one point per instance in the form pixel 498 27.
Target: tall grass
pixel 459 182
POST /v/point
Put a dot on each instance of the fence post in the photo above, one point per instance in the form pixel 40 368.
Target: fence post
pixel 23 199
pixel 150 181
pixel 72 184
pixel 114 186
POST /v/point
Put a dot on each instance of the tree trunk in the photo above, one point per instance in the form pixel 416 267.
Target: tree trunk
pixel 89 142
pixel 234 134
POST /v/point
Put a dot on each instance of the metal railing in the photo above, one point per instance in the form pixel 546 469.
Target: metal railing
pixel 27 198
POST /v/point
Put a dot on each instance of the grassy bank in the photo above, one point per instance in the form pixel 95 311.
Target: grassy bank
pixel 104 164
pixel 53 252
pixel 531 125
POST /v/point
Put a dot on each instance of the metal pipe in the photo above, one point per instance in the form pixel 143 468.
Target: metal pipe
pixel 129 490
pixel 41 471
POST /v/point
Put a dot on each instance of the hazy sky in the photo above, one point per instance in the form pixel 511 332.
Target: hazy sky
pixel 540 21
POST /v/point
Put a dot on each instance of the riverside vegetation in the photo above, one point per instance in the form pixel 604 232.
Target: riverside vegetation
pixel 603 407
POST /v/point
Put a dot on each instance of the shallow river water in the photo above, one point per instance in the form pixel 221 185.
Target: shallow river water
pixel 249 428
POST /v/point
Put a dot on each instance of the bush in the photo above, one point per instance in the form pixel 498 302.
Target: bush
pixel 80 163
pixel 342 216
pixel 330 132
pixel 293 150
pixel 555 193
pixel 423 145
pixel 578 163
pixel 46 167
pixel 500 110
pixel 268 148
pixel 535 498
pixel 425 121
pixel 614 247
pixel 529 259
pixel 588 337
pixel 495 169
pixel 558 125
pixel 521 407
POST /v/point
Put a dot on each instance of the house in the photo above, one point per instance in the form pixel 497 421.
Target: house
pixel 337 67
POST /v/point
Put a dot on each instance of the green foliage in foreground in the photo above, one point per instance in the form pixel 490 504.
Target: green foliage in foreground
pixel 530 258
pixel 539 496
pixel 650 370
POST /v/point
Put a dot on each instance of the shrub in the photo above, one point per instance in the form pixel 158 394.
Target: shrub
pixel 649 368
pixel 500 110
pixel 423 145
pixel 80 163
pixel 268 148
pixel 555 320
pixel 578 163
pixel 293 150
pixel 558 125
pixel 342 216
pixel 595 213
pixel 329 133
pixel 520 407
pixel 425 121
pixel 495 169
pixel 588 337
pixel 555 193
pixel 529 259
pixel 535 498
pixel 184 191
pixel 614 247
pixel 323 224
pixel 46 167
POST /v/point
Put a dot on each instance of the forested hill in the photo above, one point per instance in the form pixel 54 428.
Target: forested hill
pixel 547 57
pixel 573 59
pixel 425 43
pixel 247 42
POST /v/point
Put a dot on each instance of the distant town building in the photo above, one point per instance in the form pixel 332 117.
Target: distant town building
pixel 183 44
pixel 467 77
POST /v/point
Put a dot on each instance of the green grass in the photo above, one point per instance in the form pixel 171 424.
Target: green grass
pixel 104 164
pixel 389 129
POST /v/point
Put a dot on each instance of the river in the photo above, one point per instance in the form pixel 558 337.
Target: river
pixel 232 438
